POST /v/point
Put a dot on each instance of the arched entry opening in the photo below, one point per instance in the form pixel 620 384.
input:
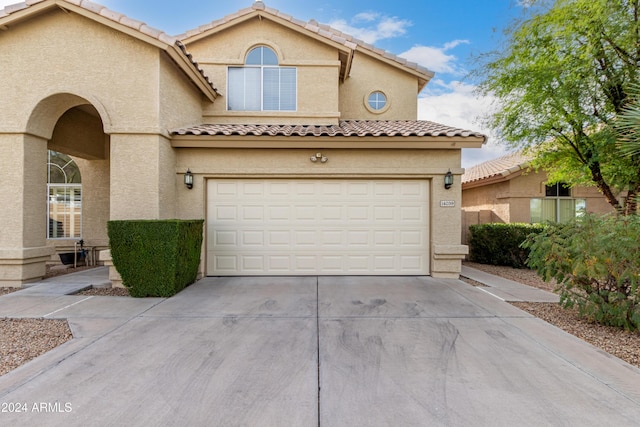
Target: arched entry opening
pixel 65 123
pixel 77 181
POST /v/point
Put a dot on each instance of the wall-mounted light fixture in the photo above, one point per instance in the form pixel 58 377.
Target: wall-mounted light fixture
pixel 448 180
pixel 188 179
pixel 319 156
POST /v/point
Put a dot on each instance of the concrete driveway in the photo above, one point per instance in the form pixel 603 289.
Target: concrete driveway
pixel 328 351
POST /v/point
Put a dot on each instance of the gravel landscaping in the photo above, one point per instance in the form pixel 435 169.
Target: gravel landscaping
pixel 24 339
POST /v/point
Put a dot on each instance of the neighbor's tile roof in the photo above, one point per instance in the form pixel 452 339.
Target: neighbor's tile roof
pixel 504 165
pixel 105 12
pixel 344 128
pixel 313 26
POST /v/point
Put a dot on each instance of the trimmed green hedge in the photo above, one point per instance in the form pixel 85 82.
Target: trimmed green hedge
pixel 156 258
pixel 500 244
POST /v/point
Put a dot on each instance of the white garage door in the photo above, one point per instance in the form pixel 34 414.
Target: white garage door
pixel 323 227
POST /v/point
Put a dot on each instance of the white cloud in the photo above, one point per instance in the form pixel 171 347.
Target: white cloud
pixel 431 57
pixel 366 17
pixel 435 58
pixel 456 104
pixel 379 27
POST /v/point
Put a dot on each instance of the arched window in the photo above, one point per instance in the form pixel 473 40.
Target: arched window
pixel 262 85
pixel 64 190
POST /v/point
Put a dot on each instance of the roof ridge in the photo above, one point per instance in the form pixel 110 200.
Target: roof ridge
pixel 314 26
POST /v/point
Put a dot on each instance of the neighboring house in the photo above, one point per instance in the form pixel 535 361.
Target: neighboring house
pixel 302 143
pixel 506 190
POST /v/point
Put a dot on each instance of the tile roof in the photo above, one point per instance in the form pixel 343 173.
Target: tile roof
pixel 357 128
pixel 504 166
pixel 119 18
pixel 315 27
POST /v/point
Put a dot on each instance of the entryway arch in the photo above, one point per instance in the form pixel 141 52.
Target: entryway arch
pixel 69 124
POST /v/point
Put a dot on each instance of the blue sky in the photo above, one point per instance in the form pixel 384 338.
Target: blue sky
pixel 442 35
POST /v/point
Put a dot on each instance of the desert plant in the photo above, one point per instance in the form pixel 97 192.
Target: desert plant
pixel 596 265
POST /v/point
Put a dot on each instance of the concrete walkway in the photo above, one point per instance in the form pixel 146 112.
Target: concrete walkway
pixel 309 351
pixel 508 290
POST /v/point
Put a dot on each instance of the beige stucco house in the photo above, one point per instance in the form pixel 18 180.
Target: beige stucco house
pixel 507 190
pixel 302 143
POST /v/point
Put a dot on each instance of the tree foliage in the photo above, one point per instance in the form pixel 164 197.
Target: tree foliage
pixel 627 124
pixel 560 81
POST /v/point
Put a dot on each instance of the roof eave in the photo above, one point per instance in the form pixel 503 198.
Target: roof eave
pixel 346 142
pixel 503 176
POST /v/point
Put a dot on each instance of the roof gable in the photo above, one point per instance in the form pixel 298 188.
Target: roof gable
pixel 344 43
pixel 14 14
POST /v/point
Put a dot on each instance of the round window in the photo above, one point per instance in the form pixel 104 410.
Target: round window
pixel 377 102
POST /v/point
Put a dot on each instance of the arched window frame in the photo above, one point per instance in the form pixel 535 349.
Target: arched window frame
pixel 261 84
pixel 64 197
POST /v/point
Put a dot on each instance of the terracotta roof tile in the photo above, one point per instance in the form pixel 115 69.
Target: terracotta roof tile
pixel 504 165
pixel 12 8
pixel 356 128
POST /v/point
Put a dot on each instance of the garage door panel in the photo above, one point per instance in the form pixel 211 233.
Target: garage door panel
pixel 225 238
pixel 281 238
pixel 226 213
pixel 278 213
pixel 280 226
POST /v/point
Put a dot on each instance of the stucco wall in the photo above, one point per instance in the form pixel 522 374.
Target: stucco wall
pixel 66 53
pixel 488 198
pixel 23 193
pixel 180 101
pixel 368 75
pixel 141 182
pixel 79 132
pixel 317 71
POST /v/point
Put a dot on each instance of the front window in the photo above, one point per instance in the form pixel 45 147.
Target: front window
pixel 262 85
pixel 64 190
pixel 557 206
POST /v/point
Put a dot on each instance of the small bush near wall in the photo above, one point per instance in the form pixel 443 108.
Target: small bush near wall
pixel 156 258
pixel 596 264
pixel 499 244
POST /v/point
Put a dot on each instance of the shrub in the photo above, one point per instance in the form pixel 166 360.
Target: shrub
pixel 499 244
pixel 596 264
pixel 156 258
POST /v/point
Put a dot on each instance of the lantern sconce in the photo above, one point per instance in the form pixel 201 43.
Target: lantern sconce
pixel 318 156
pixel 188 179
pixel 448 180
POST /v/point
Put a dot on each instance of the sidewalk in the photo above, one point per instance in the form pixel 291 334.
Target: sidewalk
pixel 508 290
pixel 68 284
